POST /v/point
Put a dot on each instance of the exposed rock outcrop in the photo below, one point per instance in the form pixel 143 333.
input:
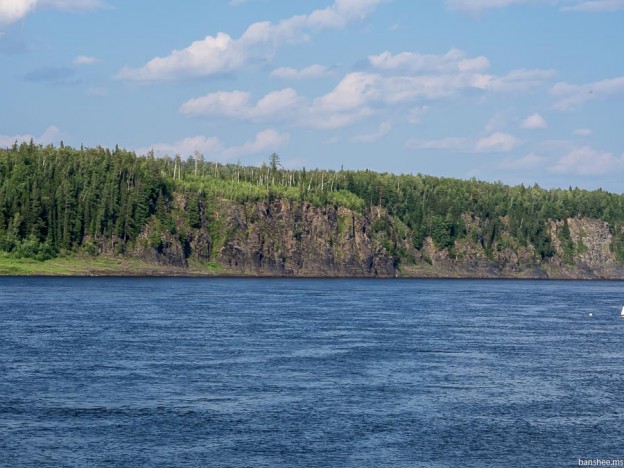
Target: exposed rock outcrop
pixel 287 238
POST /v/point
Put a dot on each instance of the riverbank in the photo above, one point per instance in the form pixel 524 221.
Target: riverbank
pixel 121 266
pixel 100 266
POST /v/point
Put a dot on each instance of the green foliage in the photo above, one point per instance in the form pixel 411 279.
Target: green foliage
pixel 64 199
pixel 617 243
pixel 567 244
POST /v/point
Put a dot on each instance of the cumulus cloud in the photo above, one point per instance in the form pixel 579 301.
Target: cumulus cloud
pixel 515 81
pixel 353 91
pixel 187 146
pixel 223 54
pixel 50 135
pixel 407 80
pixel 237 105
pixel 453 60
pixel 212 147
pixel 585 160
pixel 288 73
pixel 496 142
pixel 571 96
pixel 359 93
pixel 265 141
pixel 341 107
pixel 14 10
pixel 534 121
pixel 432 76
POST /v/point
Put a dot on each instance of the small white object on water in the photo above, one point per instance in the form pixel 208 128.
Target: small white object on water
pixel 590 314
pixel 622 313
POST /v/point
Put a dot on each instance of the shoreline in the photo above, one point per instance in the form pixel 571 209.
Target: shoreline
pixel 116 267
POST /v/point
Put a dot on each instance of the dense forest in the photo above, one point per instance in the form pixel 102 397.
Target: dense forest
pixel 64 201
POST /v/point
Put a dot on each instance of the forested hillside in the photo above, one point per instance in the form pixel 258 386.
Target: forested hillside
pixel 270 220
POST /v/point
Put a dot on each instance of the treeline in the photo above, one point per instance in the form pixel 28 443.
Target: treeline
pixel 63 199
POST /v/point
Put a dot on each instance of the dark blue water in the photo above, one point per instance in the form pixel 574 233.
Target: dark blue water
pixel 254 372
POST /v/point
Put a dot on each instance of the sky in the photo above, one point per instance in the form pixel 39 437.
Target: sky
pixel 517 91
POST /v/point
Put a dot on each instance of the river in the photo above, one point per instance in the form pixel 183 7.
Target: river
pixel 309 372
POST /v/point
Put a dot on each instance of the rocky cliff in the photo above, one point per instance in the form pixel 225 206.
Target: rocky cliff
pixel 287 238
pixel 292 239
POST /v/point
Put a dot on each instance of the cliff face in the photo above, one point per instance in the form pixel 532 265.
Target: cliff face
pixel 286 238
pixel 590 242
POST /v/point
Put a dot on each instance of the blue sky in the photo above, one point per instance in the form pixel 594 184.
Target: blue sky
pixel 521 91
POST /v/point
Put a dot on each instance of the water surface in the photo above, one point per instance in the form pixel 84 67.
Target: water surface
pixel 276 372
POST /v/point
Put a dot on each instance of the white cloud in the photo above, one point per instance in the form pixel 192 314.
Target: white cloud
pixel 433 76
pixel 236 104
pixel 360 88
pixel 534 122
pixel 528 162
pixel 209 146
pixel 228 103
pixel 371 137
pixel 210 56
pixel 597 6
pixel 353 91
pixel 86 60
pixel 265 141
pixel 14 10
pixel 332 120
pixel 571 96
pixel 515 81
pixel 583 132
pixel 478 6
pixel 223 54
pixel 345 105
pixel 359 94
pixel 588 161
pixel 322 113
pixel 313 71
pixel 51 135
pixel 212 147
pixel 453 60
pixel 496 142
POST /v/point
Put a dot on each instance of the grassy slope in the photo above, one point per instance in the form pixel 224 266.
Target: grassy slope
pixel 101 266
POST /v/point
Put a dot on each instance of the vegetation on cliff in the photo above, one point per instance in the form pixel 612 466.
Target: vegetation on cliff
pixel 94 201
